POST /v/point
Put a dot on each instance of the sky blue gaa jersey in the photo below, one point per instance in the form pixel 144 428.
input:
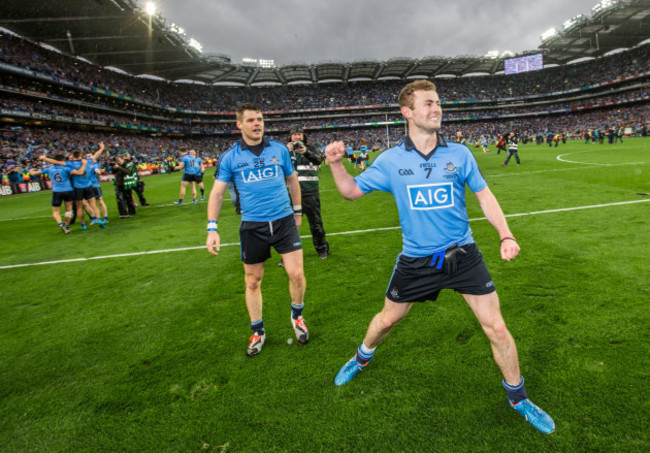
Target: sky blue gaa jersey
pixel 90 168
pixel 260 180
pixel 430 193
pixel 192 164
pixel 81 181
pixel 60 177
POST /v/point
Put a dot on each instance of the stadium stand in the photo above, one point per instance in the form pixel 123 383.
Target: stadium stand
pixel 56 102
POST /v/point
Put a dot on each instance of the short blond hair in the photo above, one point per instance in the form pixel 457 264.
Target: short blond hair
pixel 406 96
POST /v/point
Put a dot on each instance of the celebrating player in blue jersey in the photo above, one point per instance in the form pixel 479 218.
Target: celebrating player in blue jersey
pixel 484 145
pixel 427 177
pixel 62 191
pixel 192 167
pixel 82 185
pixel 261 171
pixel 94 169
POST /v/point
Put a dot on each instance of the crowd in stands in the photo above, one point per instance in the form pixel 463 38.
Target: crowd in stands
pixel 627 107
pixel 18 143
pixel 20 104
pixel 26 55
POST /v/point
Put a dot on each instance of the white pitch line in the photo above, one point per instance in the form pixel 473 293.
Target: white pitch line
pixel 560 157
pixel 555 170
pixel 370 230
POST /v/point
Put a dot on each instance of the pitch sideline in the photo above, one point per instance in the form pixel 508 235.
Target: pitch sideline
pixel 370 230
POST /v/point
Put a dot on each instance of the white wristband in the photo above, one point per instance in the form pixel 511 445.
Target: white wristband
pixel 212 225
pixel 297 208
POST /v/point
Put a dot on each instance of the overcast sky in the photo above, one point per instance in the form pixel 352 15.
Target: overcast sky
pixel 313 31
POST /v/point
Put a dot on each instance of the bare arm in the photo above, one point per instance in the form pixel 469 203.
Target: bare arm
pixel 213 241
pixel 81 170
pixel 51 161
pixel 296 197
pixel 344 181
pixel 99 151
pixel 494 214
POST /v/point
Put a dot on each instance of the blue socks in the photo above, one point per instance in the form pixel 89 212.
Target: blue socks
pixel 258 327
pixel 516 393
pixel 296 310
pixel 364 354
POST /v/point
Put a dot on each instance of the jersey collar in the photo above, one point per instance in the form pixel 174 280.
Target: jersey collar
pixel 410 146
pixel 244 145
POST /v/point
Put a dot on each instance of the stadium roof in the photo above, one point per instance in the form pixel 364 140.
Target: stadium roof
pixel 120 34
pixel 621 25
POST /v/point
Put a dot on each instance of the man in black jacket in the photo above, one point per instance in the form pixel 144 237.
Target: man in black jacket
pixel 124 182
pixel 306 159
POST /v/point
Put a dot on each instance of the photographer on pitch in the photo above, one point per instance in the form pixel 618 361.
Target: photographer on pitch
pixel 306 159
pixel 124 182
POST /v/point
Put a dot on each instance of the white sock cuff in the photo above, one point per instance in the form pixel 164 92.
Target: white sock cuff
pixel 365 349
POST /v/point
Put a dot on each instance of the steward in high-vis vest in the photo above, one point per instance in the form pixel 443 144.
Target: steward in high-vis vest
pixel 124 182
pixel 306 159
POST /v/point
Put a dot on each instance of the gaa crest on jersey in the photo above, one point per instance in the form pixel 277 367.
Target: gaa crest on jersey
pixel 275 160
pixel 431 196
pixel 450 167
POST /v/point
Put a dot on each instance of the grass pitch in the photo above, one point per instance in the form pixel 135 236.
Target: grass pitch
pixel 146 351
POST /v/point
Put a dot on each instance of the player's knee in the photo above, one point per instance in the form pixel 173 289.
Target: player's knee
pixel 253 282
pixel 497 332
pixel 253 285
pixel 389 321
pixel 296 275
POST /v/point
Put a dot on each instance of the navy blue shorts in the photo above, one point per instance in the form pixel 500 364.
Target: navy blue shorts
pixel 192 178
pixel 417 280
pixel 98 192
pixel 60 197
pixel 257 238
pixel 84 193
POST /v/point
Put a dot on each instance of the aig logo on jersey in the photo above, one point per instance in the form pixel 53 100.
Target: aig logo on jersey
pixel 260 174
pixel 431 196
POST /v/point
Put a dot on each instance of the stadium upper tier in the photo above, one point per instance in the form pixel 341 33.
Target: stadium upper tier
pixel 20 57
pixel 146 43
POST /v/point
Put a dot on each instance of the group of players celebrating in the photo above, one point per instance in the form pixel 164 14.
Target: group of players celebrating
pixel 75 184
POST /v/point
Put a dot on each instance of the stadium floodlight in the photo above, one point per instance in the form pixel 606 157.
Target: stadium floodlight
pixel 573 21
pixel 492 54
pixel 150 8
pixel 195 44
pixel 176 29
pixel 548 34
pixel 603 5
